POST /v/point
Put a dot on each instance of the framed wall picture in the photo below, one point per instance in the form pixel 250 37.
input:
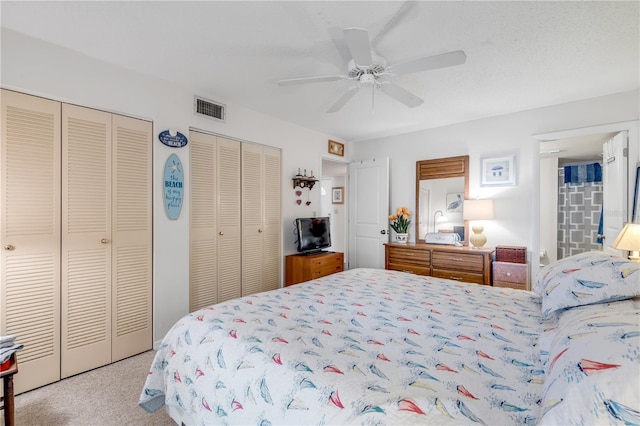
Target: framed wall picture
pixel 498 171
pixel 337 195
pixel 454 202
pixel 336 148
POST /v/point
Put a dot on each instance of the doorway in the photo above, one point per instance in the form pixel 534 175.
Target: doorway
pixel 570 206
pixel 540 229
pixel 334 177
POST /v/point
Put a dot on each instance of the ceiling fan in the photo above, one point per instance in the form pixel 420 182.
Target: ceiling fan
pixel 367 68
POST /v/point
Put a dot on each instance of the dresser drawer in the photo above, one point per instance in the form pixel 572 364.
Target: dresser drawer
pixel 320 269
pixel 412 269
pixel 517 286
pixel 467 277
pixel 458 261
pixel 408 256
pixel 514 275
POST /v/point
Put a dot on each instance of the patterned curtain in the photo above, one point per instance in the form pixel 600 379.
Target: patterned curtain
pixel 579 209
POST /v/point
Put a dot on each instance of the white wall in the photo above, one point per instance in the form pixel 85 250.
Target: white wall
pixel 516 207
pixel 34 67
pixel 549 210
pixel 337 212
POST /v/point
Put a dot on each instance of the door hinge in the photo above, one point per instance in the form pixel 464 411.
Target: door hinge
pixel 625 152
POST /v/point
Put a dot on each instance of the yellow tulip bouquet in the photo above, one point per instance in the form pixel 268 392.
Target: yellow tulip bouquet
pixel 400 221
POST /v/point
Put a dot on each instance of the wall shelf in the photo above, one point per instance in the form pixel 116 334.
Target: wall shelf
pixel 304 182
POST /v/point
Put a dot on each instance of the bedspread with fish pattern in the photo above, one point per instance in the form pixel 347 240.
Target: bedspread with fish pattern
pixel 363 346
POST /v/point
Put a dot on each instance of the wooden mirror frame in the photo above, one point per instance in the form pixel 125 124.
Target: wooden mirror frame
pixel 440 168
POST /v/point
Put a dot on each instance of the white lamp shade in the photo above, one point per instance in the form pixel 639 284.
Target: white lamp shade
pixel 628 238
pixel 477 209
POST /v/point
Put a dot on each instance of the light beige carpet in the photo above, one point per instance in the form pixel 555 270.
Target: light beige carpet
pixel 104 396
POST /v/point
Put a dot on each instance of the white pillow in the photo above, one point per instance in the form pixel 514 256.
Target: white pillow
pixel 586 278
pixel 594 367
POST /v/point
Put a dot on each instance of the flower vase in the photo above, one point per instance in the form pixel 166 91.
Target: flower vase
pixel 402 238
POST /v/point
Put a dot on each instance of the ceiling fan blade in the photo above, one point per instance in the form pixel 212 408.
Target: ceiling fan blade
pixel 401 95
pixel 346 96
pixel 302 80
pixel 358 42
pixel 400 13
pixel 448 59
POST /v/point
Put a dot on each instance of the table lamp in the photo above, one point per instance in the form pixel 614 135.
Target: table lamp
pixel 440 219
pixel 477 210
pixel 629 239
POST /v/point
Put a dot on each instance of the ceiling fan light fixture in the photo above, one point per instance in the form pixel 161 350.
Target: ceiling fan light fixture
pixel 367 79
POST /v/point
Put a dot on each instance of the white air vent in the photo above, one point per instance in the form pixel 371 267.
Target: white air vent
pixel 209 109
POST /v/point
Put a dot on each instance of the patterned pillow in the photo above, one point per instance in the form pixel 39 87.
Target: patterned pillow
pixel 586 278
pixel 594 365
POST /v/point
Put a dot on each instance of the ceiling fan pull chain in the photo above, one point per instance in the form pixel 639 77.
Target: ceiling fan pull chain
pixel 373 96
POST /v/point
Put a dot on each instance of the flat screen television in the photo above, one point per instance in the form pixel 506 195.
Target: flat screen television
pixel 314 234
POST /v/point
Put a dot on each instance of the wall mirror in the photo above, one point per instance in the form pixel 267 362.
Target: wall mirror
pixel 442 184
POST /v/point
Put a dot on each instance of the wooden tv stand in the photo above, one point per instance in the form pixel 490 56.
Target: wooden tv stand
pixel 305 267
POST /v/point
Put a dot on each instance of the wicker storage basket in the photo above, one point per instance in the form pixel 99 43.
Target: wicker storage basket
pixel 512 254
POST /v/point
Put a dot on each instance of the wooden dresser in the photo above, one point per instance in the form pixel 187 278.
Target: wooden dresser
pixel 300 267
pixel 442 261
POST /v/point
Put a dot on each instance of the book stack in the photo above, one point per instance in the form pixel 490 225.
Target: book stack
pixel 8 346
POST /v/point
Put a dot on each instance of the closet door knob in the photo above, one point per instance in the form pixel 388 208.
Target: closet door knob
pixel 221 233
pixel 104 241
pixel 9 247
pixel 260 230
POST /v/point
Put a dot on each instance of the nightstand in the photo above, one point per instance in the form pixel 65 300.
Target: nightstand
pixel 513 275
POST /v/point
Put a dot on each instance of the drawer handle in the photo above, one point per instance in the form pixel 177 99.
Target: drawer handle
pixel 455 278
pixel 457 259
pixel 508 274
pixel 410 254
pixel 409 272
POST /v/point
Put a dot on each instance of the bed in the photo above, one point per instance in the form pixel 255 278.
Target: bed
pixel 372 346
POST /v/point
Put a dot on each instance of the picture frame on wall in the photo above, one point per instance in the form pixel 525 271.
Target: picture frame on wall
pixel 498 171
pixel 454 202
pixel 337 195
pixel 336 148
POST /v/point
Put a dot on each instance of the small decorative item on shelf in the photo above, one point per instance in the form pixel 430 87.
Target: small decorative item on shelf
pixel 400 223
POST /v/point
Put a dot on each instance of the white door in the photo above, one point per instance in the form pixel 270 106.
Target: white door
pixel 368 212
pixel 614 177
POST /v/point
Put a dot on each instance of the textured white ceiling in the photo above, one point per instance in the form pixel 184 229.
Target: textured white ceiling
pixel 520 55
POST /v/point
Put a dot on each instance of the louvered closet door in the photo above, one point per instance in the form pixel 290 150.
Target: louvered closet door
pixel 228 220
pixel 30 235
pixel 203 263
pixel 260 218
pixel 271 244
pixel 131 239
pixel 86 239
pixel 252 212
